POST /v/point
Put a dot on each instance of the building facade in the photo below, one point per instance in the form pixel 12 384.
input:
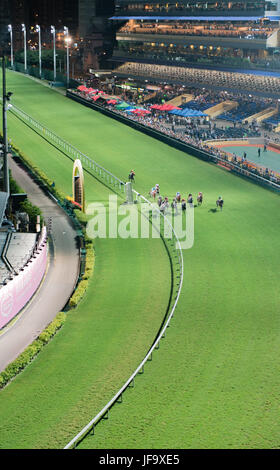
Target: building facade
pixel 199 33
pixel 96 35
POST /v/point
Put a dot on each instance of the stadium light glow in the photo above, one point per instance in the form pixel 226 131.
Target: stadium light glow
pixel 38 30
pixel 10 30
pixel 54 53
pixel 23 28
pixel 67 41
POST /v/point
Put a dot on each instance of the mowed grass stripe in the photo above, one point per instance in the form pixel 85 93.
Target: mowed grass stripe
pixel 215 381
pixel 104 339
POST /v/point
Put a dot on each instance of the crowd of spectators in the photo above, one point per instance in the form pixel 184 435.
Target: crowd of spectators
pixel 186 7
pixel 198 131
pixel 245 30
pixel 230 57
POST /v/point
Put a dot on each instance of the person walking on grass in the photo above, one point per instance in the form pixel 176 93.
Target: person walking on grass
pixel 220 202
pixel 131 176
pixel 153 193
pixel 199 198
pixel 259 152
pixel 159 201
pixel 178 197
pixel 190 199
pixel 174 206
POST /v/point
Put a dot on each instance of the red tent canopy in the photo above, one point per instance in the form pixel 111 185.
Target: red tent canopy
pixel 82 88
pixel 140 111
pixel 112 102
pixel 164 107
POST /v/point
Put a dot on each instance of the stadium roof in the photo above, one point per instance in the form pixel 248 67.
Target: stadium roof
pixel 197 18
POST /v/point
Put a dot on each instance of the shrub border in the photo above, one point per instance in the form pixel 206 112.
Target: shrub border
pixel 29 354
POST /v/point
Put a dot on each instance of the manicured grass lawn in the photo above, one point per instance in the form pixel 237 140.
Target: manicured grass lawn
pixel 104 339
pixel 214 383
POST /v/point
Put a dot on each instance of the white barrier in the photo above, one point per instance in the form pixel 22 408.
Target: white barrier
pixel 90 426
pixel 94 168
pixel 19 290
pixel 92 165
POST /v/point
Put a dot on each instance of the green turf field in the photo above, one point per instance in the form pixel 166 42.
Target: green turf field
pixel 214 383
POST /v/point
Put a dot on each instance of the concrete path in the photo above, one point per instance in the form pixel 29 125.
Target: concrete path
pixel 59 281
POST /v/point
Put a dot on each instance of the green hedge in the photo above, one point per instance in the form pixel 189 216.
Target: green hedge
pixel 82 217
pixel 14 187
pixel 32 350
pixel 39 173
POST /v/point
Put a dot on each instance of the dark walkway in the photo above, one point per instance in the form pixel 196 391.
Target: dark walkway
pixel 59 281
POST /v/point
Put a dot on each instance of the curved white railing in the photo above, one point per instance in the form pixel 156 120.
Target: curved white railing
pixel 91 425
pixel 92 165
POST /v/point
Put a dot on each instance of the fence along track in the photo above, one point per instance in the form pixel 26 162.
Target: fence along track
pixel 92 167
pixel 90 427
pixel 173 247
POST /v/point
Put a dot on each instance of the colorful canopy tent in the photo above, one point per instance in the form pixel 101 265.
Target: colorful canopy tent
pixel 164 107
pixel 129 109
pixel 82 88
pixel 187 112
pixel 122 105
pixel 141 111
pixel 112 102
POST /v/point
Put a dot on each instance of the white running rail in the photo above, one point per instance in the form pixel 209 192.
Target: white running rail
pixel 97 170
pixel 91 425
pixel 92 165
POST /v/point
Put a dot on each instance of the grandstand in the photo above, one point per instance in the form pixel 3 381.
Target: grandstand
pixel 212 79
pixel 246 109
pixel 273 120
pixel 190 33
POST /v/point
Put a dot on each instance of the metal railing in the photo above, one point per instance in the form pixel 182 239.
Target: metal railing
pixel 92 167
pixel 173 248
pixel 178 274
